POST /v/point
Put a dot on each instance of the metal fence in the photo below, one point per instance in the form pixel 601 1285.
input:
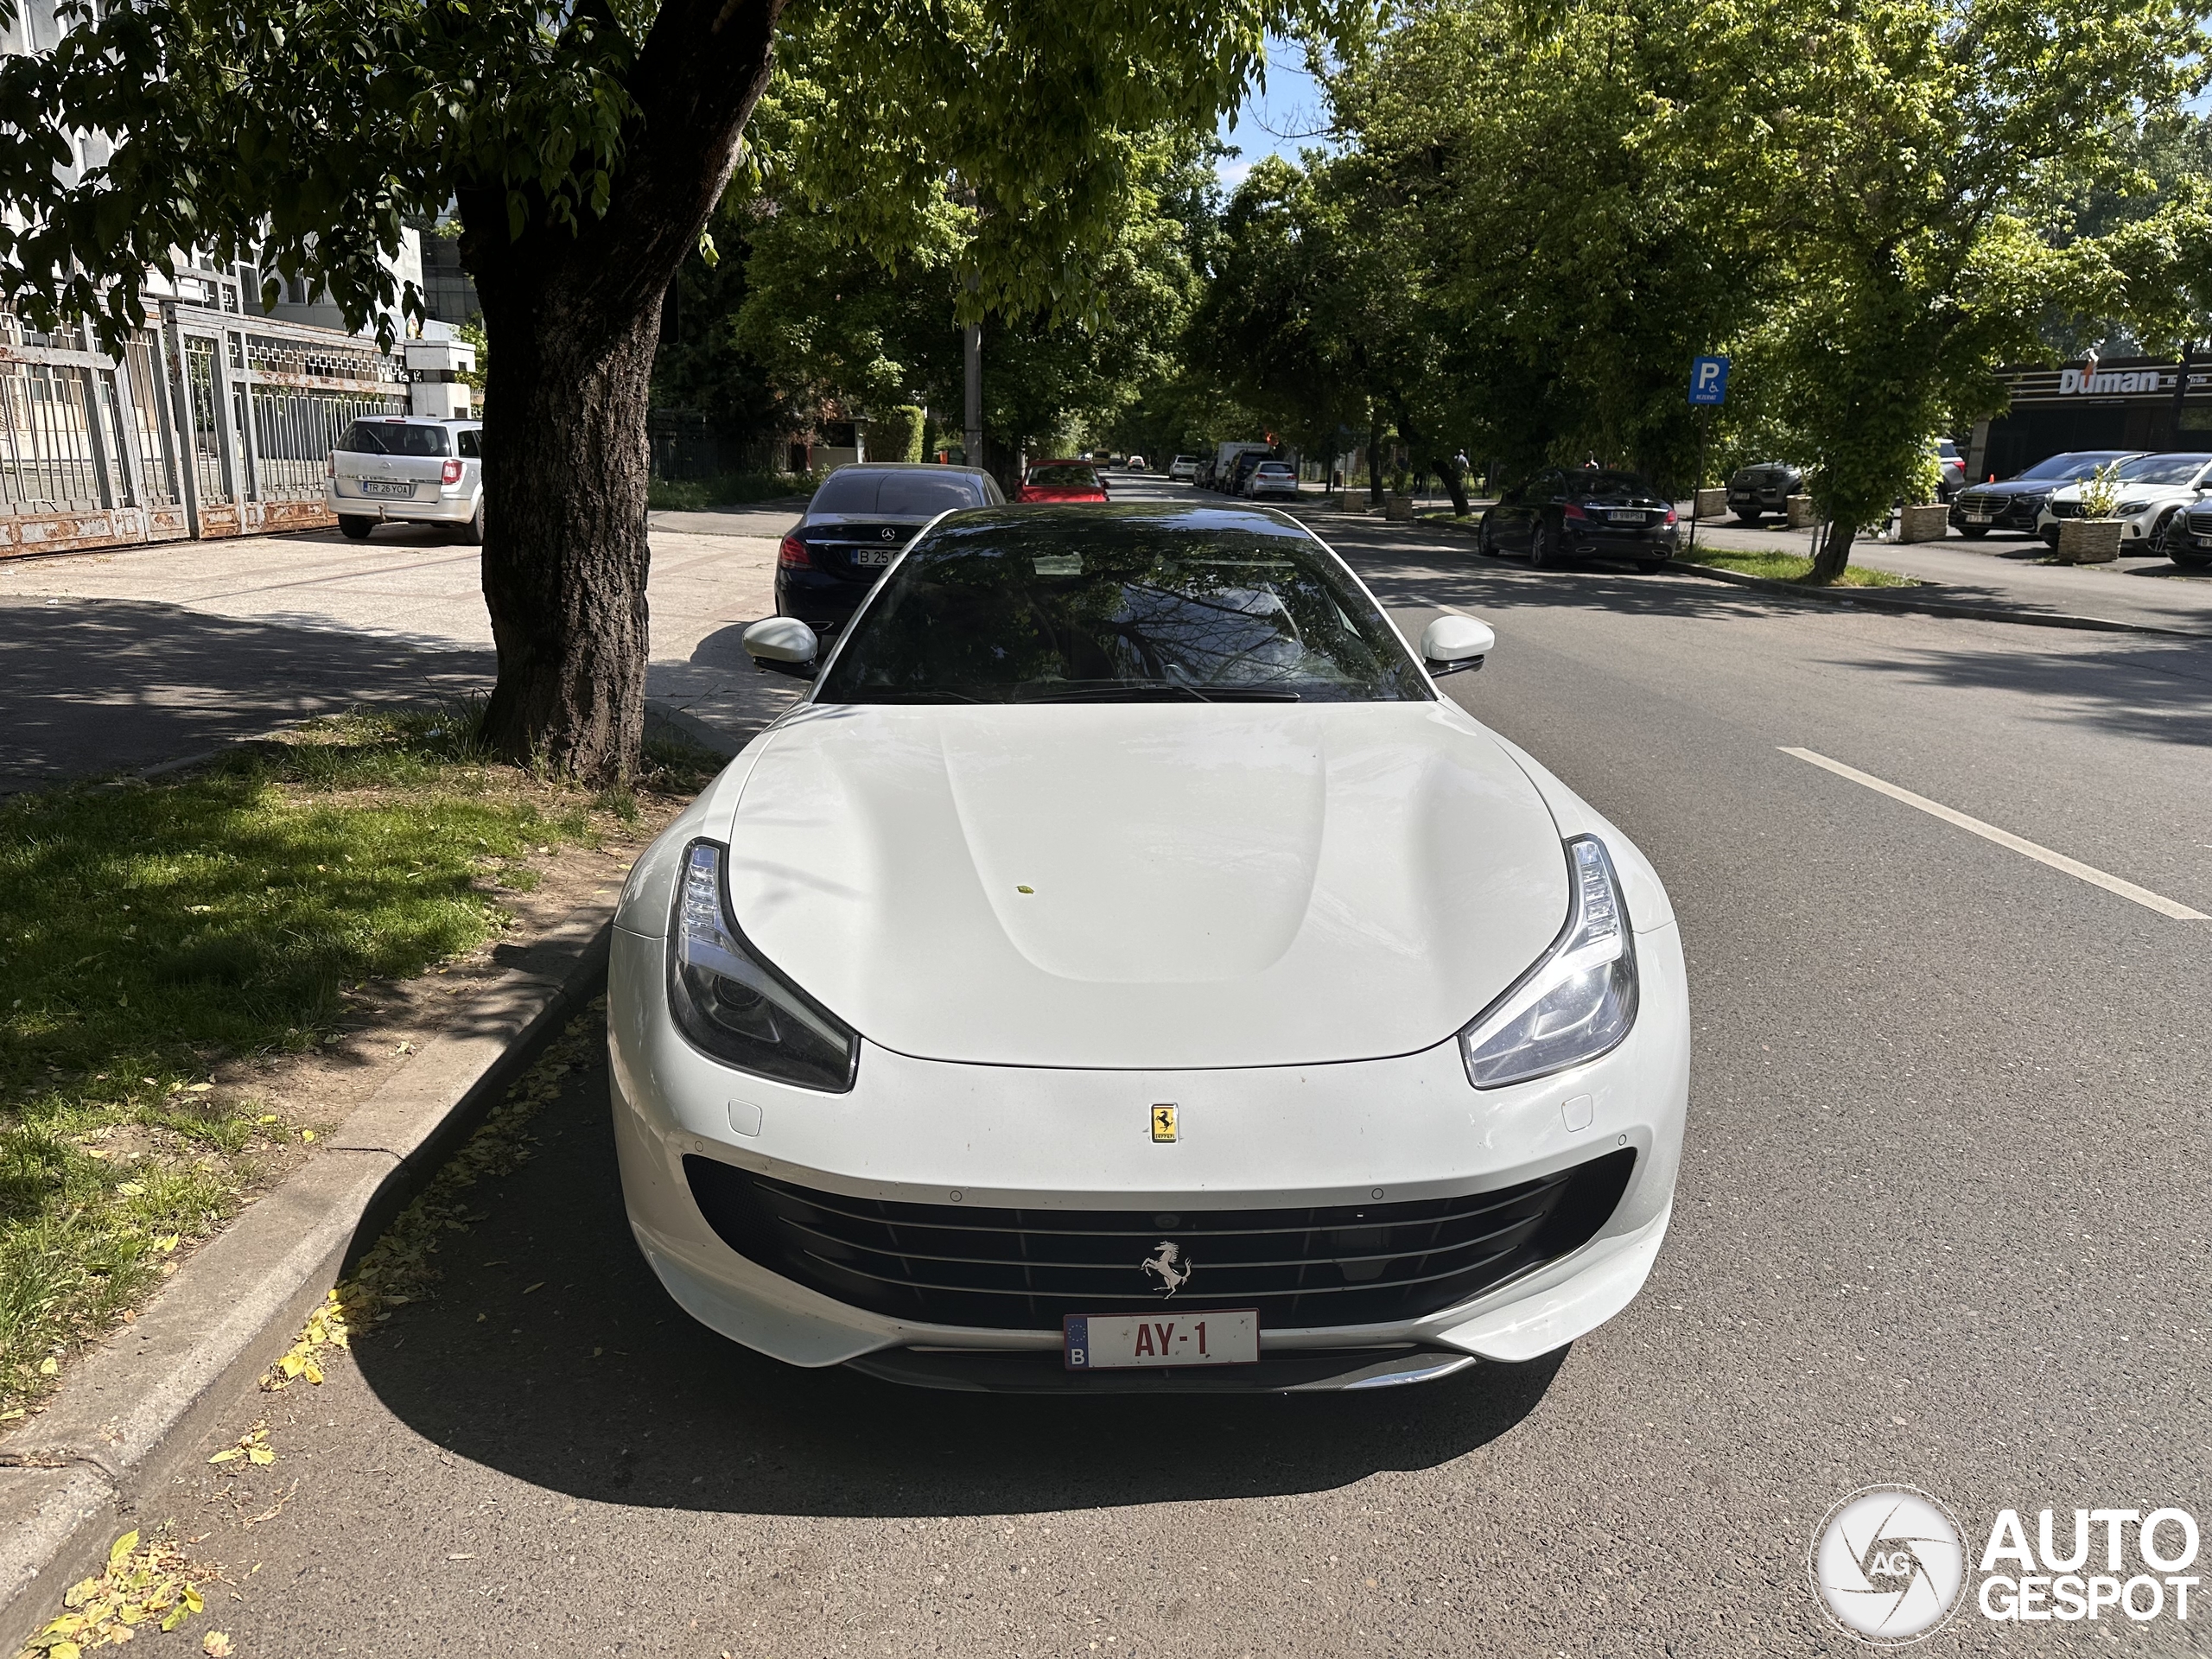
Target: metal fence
pixel 211 424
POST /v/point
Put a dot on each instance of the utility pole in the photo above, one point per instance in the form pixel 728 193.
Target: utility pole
pixel 971 364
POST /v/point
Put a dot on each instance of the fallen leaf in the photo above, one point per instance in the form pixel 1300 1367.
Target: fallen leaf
pixel 215 1645
pixel 540 1285
pixel 306 1134
pixel 132 1189
pixel 167 1242
pixel 48 1366
pixel 122 1546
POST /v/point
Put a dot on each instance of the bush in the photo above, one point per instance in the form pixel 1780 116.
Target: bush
pixel 729 489
pixel 896 434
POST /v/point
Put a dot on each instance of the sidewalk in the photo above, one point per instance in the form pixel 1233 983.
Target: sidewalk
pixel 131 658
pixel 2004 571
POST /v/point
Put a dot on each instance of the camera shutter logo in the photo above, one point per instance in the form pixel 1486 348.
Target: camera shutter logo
pixel 1888 1564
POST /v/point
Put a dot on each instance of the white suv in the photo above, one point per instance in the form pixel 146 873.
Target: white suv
pixel 1184 466
pixel 412 469
pixel 2154 491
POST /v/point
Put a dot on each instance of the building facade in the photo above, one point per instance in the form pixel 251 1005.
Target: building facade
pixel 2131 402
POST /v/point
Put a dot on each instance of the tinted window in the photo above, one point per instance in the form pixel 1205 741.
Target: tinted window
pixel 1064 478
pixel 846 490
pixel 1129 611
pixel 2079 464
pixel 1597 481
pixel 393 438
pixel 922 494
pixel 2163 469
pixel 469 442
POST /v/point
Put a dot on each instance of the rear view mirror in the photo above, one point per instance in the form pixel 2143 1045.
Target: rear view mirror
pixel 1452 645
pixel 782 645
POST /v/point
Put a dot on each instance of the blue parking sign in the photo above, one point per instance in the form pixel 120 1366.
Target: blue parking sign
pixel 1709 380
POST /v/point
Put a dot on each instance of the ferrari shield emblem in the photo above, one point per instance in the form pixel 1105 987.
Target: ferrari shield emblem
pixel 1163 1121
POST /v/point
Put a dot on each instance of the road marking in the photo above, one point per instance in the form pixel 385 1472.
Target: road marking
pixel 2089 872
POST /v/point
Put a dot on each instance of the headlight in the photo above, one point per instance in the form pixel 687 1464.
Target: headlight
pixel 2129 509
pixel 730 1004
pixel 1580 999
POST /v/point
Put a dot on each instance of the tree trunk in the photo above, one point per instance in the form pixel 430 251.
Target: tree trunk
pixel 573 314
pixel 1455 483
pixel 1831 552
pixel 1374 457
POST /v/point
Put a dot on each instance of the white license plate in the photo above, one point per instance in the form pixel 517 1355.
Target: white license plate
pixel 1978 518
pixel 874 558
pixel 1120 1342
pixel 374 486
pixel 1626 517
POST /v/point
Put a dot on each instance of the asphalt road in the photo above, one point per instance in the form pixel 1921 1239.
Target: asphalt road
pixel 1942 1220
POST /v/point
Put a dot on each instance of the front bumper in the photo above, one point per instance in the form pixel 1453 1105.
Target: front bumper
pixel 2138 528
pixel 924 1132
pixel 2020 515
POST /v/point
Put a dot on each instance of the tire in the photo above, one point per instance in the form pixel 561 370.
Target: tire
pixel 1483 545
pixel 1974 533
pixel 1543 555
pixel 1743 517
pixel 472 531
pixel 354 528
pixel 2163 543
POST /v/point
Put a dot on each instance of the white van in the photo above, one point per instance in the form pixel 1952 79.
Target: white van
pixel 409 470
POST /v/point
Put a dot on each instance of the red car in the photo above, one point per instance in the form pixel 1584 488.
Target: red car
pixel 1061 480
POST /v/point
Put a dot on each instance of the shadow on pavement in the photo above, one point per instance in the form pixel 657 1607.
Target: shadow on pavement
pixel 598 1386
pixel 95 686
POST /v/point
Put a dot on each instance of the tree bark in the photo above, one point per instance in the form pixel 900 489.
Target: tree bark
pixel 573 317
pixel 1374 457
pixel 1831 552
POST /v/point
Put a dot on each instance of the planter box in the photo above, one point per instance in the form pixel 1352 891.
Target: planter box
pixel 1710 503
pixel 1801 511
pixel 1397 506
pixel 2088 540
pixel 1925 524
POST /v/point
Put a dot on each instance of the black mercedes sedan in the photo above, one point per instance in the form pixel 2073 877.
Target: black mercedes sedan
pixel 856 525
pixel 1568 513
pixel 2016 503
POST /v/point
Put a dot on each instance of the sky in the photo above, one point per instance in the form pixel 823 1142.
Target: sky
pixel 1279 121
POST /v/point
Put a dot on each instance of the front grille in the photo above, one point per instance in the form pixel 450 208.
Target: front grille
pixel 1023 1269
pixel 2200 521
pixel 2066 509
pixel 1971 503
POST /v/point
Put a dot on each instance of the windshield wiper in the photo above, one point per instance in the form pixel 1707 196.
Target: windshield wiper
pixel 1142 690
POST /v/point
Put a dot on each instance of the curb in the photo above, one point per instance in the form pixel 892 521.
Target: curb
pixel 137 1410
pixel 1881 599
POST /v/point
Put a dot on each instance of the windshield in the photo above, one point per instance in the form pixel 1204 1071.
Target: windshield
pixel 2163 469
pixel 2076 465
pixel 1128 610
pixel 1595 481
pixel 392 438
pixel 1066 476
pixel 918 494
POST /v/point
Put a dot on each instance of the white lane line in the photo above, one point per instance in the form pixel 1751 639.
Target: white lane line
pixel 2074 866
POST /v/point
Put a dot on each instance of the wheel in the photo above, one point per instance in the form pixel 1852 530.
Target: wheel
pixel 1543 550
pixel 355 529
pixel 1483 545
pixel 1974 533
pixel 472 531
pixel 2164 542
pixel 1751 518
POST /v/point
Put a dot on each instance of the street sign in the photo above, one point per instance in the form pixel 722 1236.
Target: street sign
pixel 1709 380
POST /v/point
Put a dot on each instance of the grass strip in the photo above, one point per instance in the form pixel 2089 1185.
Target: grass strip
pixel 152 932
pixel 725 490
pixel 1790 567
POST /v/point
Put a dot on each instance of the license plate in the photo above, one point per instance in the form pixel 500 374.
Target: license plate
pixel 1120 1342
pixel 1625 518
pixel 374 486
pixel 872 558
pixel 1978 518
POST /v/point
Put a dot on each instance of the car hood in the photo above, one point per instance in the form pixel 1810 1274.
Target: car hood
pixel 1147 887
pixel 2021 487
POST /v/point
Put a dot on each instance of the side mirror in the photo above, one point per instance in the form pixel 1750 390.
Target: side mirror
pixel 1452 645
pixel 782 645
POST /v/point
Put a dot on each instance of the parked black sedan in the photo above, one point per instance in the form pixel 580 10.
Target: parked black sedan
pixel 2016 503
pixel 855 526
pixel 1582 512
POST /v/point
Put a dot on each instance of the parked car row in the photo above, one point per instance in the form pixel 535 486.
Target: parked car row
pixel 1765 486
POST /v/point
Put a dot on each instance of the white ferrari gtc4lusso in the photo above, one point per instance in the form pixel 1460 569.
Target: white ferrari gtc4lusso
pixel 1124 970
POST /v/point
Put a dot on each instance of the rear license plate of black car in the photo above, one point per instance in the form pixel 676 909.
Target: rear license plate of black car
pixel 874 558
pixel 1625 518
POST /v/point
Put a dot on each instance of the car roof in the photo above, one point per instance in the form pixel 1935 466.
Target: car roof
pixel 1079 521
pixel 907 467
pixel 422 420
